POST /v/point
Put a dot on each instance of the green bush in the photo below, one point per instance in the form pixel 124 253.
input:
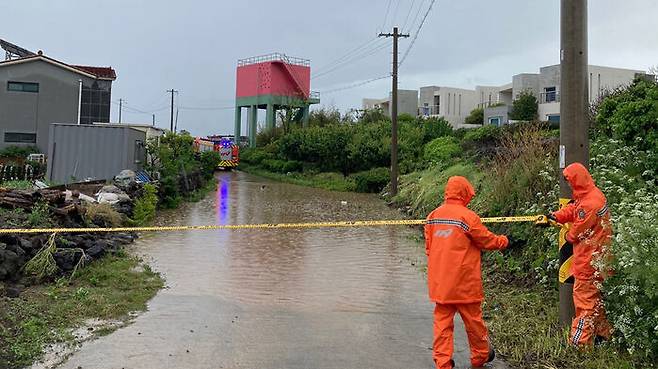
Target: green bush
pixel 18 151
pixel 475 117
pixel 145 205
pixel 435 128
pixel 631 113
pixel 282 166
pixel 441 150
pixel 524 107
pixel 373 180
pixel 488 133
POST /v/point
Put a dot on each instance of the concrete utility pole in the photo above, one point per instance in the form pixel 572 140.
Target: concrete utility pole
pixel 120 108
pixel 171 123
pixel 394 110
pixel 153 120
pixel 574 124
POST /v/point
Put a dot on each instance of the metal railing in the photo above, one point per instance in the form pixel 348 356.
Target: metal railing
pixel 549 97
pixel 429 110
pixel 274 57
pixel 315 95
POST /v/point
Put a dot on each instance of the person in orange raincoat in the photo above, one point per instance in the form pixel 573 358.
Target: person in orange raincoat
pixel 454 239
pixel 589 234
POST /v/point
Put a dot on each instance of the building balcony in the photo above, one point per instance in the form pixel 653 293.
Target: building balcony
pixel 549 97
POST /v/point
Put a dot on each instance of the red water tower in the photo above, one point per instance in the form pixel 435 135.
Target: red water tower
pixel 272 82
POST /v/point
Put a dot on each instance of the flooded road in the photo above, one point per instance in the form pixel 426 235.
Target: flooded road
pixel 296 298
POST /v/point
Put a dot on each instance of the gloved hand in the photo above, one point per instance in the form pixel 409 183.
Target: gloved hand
pixel 515 242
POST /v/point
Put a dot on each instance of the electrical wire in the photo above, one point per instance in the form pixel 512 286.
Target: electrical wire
pixel 346 55
pixel 413 40
pixel 388 7
pixel 406 19
pixel 361 55
pixel 326 92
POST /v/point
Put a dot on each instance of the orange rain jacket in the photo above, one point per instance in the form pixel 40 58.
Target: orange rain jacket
pixel 589 217
pixel 454 238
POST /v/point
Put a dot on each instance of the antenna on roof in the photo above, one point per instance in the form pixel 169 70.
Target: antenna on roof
pixel 13 51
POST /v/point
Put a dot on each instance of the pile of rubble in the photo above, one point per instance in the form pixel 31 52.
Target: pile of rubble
pixel 68 205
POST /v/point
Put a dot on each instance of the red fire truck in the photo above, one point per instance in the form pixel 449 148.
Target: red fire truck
pixel 228 151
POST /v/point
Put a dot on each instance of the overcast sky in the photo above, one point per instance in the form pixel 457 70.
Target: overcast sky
pixel 193 45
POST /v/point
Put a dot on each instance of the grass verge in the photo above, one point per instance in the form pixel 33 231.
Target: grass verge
pixel 524 327
pixel 328 181
pixel 109 288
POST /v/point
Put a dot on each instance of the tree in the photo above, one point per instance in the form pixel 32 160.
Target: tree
pixel 476 116
pixel 524 107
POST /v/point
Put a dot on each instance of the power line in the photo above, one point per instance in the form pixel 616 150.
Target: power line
pixel 326 92
pixel 413 40
pixel 388 7
pixel 362 54
pixel 420 8
pixel 406 19
pixel 206 108
pixel 348 54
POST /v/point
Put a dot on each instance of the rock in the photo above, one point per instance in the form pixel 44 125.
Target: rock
pixel 96 251
pixel 67 259
pixel 12 292
pixel 9 263
pixel 125 178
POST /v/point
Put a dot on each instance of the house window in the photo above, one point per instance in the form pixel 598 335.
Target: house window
pixel 495 121
pixel 20 137
pixel 553 118
pixel 140 151
pixel 551 94
pixel 23 86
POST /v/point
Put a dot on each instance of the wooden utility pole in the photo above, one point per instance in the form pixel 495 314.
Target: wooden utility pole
pixel 574 124
pixel 394 110
pixel 171 122
pixel 120 108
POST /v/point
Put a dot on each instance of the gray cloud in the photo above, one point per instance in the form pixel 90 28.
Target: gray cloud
pixel 193 45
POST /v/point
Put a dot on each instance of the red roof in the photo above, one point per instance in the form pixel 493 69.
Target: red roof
pixel 100 72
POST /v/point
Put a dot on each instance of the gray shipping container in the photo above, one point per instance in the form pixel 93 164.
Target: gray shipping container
pixel 98 151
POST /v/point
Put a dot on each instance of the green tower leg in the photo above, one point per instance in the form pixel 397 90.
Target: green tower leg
pixel 238 124
pixel 253 128
pixel 270 123
pixel 306 115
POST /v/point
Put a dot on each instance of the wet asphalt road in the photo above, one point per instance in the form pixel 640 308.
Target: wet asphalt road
pixel 298 298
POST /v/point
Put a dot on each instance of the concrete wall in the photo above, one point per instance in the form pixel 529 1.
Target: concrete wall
pixel 487 95
pixel 407 102
pixel 603 79
pixel 78 152
pixel 525 82
pixel 498 111
pixel 28 112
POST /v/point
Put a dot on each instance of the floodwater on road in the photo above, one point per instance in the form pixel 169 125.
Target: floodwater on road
pixel 278 298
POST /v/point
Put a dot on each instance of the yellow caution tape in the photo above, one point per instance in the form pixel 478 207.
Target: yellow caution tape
pixel 537 219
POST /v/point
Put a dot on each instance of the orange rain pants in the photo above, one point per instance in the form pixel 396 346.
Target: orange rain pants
pixel 590 320
pixel 476 330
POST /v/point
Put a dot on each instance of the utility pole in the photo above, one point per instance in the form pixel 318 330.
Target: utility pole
pixel 394 110
pixel 120 108
pixel 153 124
pixel 171 123
pixel 574 124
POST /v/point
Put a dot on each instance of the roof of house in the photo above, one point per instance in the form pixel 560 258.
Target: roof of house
pixel 103 73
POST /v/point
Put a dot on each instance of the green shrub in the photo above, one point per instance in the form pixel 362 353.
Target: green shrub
pixel 282 166
pixel 475 117
pixel 406 118
pixel 435 128
pixel 145 205
pixel 373 180
pixel 524 107
pixel 441 150
pixel 488 133
pixel 254 156
pixel 18 151
pixel 631 113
